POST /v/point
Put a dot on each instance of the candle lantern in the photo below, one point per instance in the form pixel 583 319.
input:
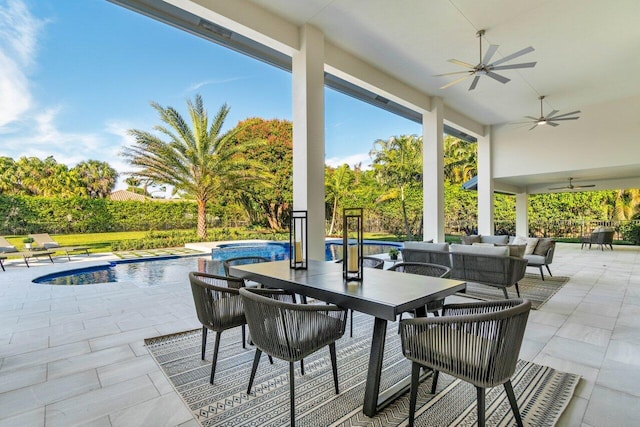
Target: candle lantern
pixel 352 231
pixel 298 240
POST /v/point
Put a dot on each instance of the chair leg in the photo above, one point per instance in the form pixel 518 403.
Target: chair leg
pixel 517 290
pixel 351 326
pixel 292 396
pixel 254 368
pixel 334 365
pixel 413 396
pixel 204 340
pixel 244 336
pixel 504 291
pixel 301 366
pixel 481 407
pixel 270 359
pixel 541 273
pixel 215 357
pixel 434 382
pixel 548 269
pixel 514 403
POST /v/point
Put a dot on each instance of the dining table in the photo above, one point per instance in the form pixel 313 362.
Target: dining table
pixel 382 294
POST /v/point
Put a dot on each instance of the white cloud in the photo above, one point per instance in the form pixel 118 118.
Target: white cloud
pixel 198 85
pixel 351 160
pixel 18 44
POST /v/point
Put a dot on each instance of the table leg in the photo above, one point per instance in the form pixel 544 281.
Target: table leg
pixel 372 387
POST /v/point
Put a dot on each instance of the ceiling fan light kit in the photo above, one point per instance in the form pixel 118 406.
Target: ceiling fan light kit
pixel 550 119
pixel 486 68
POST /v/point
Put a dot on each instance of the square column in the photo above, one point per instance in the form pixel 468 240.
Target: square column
pixel 485 185
pixel 522 214
pixel 308 135
pixel 433 171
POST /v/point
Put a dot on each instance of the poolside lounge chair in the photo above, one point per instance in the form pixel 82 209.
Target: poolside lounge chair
pixel 7 249
pixel 45 241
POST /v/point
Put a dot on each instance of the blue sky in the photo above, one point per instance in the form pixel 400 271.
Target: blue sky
pixel 76 75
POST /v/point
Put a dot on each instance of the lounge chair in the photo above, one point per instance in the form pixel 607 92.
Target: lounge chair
pixel 45 241
pixel 7 249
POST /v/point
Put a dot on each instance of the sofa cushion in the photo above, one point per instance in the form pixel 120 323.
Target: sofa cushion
pixel 49 245
pixel 470 240
pixel 498 240
pixel 531 243
pixel 426 246
pixel 543 246
pixel 480 250
pixel 535 259
pixel 8 249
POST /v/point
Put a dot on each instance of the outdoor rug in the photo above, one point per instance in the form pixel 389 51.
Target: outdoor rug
pixel 543 393
pixel 532 287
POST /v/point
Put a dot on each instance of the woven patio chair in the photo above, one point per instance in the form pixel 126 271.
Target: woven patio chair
pixel 291 332
pixel 425 269
pixel 218 306
pixel 477 342
pixel 369 262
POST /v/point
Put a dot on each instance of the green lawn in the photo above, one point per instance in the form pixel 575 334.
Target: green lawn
pixel 98 242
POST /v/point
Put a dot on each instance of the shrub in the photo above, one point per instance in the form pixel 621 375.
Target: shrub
pixel 631 232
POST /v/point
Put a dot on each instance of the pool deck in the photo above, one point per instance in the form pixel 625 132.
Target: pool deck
pixel 75 355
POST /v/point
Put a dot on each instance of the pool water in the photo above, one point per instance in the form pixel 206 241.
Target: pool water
pixel 166 270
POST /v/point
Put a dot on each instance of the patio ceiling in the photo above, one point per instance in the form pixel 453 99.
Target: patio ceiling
pixel 586 53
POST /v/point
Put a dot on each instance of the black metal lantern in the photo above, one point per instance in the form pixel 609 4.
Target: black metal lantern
pixel 352 232
pixel 298 240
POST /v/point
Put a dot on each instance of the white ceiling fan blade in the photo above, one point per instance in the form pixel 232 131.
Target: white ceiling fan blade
pixel 559 188
pixel 552 124
pixel 532 118
pixel 461 63
pixel 455 81
pixel 584 186
pixel 474 83
pixel 514 66
pixel 533 127
pixel 513 55
pixel 550 115
pixel 490 52
pixel 452 73
pixel 566 114
pixel 564 118
pixel 498 77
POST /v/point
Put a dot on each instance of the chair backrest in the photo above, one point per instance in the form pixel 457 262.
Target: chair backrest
pixel 42 238
pixel 290 331
pixel 440 257
pixel 423 269
pixel 242 261
pixel 217 300
pixel 605 237
pixel 478 342
pixel 372 262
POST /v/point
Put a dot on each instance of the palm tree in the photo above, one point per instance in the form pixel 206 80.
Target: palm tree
pixel 460 160
pixel 98 177
pixel 199 161
pixel 397 162
pixel 338 186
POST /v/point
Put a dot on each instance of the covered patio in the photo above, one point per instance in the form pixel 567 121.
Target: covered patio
pixel 75 355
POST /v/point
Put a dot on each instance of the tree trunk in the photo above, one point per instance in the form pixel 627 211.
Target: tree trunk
pixel 407 229
pixel 202 219
pixel 333 216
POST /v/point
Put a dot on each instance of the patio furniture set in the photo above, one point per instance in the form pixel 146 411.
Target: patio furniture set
pixel 46 248
pixel 477 342
pixel 601 236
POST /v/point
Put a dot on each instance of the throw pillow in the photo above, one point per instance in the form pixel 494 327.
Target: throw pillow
pixel 531 245
pixel 519 240
pixel 543 246
pixel 470 240
pixel 517 250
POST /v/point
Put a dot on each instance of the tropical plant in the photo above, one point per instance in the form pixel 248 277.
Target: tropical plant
pixel 97 177
pixel 460 160
pixel 338 186
pixel 397 163
pixel 199 162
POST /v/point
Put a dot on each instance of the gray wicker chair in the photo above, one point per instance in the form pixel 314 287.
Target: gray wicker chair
pixel 369 262
pixel 218 306
pixel 476 342
pixel 425 269
pixel 241 261
pixel 291 332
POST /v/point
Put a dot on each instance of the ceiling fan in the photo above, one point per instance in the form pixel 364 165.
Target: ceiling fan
pixel 550 119
pixel 486 68
pixel 571 186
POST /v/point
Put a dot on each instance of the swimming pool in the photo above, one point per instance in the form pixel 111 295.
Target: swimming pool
pixel 165 270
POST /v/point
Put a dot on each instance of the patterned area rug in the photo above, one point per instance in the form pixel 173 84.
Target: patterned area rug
pixel 543 393
pixel 532 287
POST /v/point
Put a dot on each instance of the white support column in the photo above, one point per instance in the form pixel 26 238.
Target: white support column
pixel 522 214
pixel 433 171
pixel 308 135
pixel 485 185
